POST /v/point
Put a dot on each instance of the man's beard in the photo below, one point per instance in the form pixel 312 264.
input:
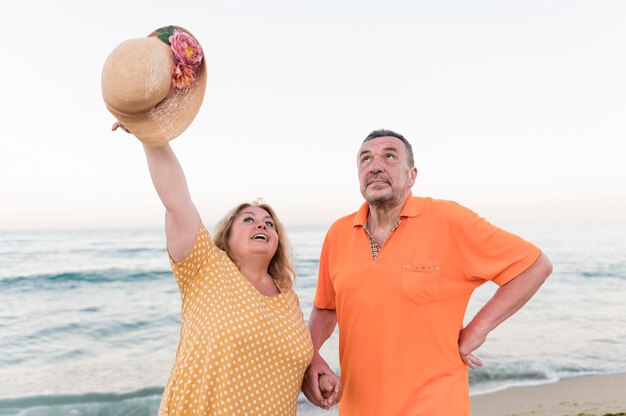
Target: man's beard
pixel 384 202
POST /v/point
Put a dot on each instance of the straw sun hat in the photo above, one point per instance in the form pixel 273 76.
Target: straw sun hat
pixel 154 86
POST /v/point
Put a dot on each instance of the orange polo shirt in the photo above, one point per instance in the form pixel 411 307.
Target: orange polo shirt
pixel 400 316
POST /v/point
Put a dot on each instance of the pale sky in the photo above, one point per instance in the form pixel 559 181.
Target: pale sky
pixel 515 109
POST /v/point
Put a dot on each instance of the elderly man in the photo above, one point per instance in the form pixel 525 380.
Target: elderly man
pixel 397 276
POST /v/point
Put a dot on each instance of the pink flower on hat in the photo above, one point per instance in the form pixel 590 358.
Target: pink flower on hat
pixel 186 49
pixel 183 76
pixel 187 54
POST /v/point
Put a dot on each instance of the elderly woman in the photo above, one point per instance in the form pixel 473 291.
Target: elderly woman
pixel 244 345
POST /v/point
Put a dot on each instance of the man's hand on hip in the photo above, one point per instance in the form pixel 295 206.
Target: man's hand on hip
pixel 469 341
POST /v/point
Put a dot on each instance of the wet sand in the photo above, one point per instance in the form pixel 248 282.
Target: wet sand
pixel 587 395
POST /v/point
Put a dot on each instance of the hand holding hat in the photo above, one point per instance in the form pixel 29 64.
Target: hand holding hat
pixel 154 86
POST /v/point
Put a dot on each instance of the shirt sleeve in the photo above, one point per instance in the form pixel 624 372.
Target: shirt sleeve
pixel 187 269
pixel 490 253
pixel 325 292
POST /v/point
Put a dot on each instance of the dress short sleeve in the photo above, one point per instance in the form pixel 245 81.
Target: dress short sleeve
pixel 187 269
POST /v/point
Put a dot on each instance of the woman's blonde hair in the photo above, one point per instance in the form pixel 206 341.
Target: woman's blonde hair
pixel 281 266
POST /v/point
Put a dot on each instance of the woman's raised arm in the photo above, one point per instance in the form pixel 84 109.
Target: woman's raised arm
pixel 181 216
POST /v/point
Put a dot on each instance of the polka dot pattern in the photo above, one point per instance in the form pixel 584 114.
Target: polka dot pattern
pixel 240 352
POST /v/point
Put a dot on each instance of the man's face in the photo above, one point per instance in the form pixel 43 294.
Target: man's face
pixel 385 176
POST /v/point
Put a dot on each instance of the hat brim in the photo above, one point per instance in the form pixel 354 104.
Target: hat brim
pixel 168 119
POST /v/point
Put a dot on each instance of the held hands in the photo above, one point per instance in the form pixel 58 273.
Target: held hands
pixel 319 372
pixel 469 341
pixel 331 389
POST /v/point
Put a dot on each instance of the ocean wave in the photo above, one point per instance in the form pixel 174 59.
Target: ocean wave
pixel 81 251
pixel 307 267
pixel 143 402
pixel 67 341
pixel 312 261
pixel 595 275
pixel 483 381
pixel 503 376
pixel 93 276
pixel 138 403
pixel 513 371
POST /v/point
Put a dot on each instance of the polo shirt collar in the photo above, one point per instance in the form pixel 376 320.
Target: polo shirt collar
pixel 411 208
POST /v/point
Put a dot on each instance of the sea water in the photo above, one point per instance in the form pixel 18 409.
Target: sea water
pixel 89 319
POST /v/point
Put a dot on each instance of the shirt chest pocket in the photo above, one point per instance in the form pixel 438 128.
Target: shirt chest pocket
pixel 421 282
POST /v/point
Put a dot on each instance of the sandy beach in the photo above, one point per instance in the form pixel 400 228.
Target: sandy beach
pixel 586 395
pixel 578 396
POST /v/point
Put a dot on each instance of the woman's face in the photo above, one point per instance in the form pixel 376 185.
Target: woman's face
pixel 253 233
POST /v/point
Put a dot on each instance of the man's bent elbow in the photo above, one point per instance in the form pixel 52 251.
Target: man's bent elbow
pixel 542 268
pixel 546 265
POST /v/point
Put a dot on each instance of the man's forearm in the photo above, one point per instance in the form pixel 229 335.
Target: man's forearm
pixel 322 323
pixel 506 301
pixel 509 298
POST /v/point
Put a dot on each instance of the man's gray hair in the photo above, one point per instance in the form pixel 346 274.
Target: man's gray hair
pixel 383 133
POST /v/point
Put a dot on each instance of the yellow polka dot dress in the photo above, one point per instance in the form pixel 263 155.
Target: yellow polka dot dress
pixel 240 352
